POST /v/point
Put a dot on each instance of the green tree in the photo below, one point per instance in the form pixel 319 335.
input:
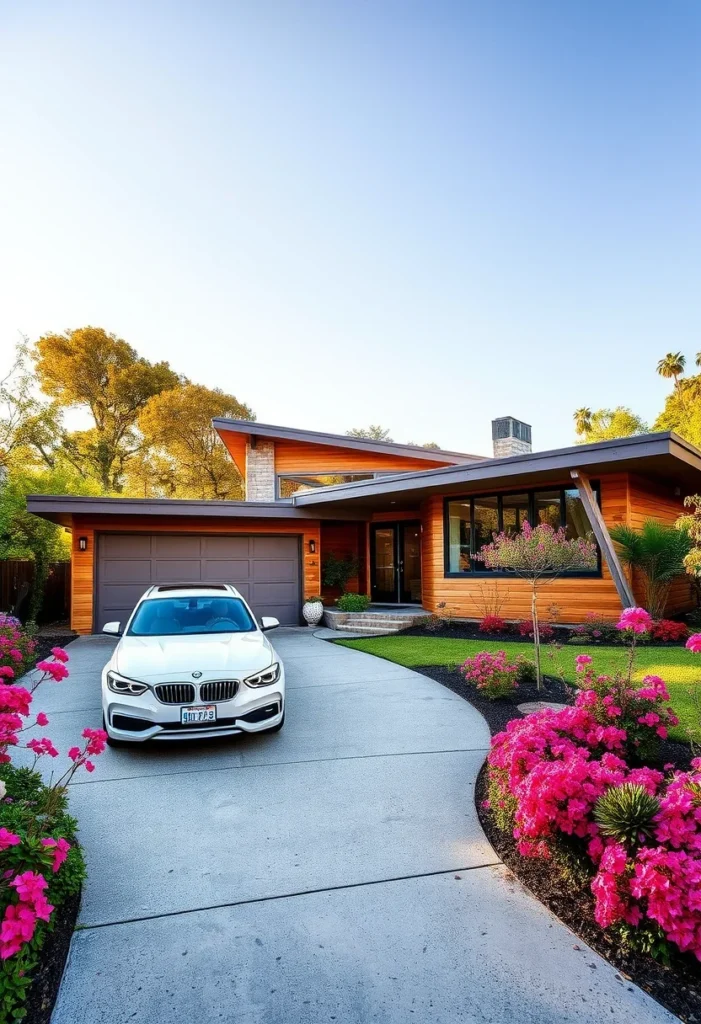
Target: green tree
pixel 607 424
pixel 658 552
pixel 374 432
pixel 682 411
pixel 177 428
pixel 672 366
pixel 91 369
pixel 30 429
pixel 582 420
pixel 23 535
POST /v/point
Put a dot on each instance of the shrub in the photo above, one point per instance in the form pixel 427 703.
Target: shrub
pixel 491 673
pixel 669 631
pixel 526 628
pixel 353 602
pixel 658 551
pixel 626 813
pixel 442 618
pixel 16 647
pixel 337 572
pixel 492 624
pixel 525 670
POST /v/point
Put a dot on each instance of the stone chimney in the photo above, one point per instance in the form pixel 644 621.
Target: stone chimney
pixel 510 437
pixel 260 469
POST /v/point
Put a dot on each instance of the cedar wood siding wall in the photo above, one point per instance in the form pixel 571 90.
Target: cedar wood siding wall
pixel 300 457
pixel 83 582
pixel 345 540
pixel 649 500
pixel 624 499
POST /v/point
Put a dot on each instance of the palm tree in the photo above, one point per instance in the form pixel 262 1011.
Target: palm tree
pixel 582 420
pixel 698 358
pixel 672 366
pixel 658 552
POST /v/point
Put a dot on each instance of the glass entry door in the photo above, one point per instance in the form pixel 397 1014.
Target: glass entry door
pixel 395 561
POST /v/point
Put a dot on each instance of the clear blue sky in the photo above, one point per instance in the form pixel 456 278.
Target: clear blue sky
pixel 418 214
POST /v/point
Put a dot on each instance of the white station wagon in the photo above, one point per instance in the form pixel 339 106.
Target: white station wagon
pixel 191 662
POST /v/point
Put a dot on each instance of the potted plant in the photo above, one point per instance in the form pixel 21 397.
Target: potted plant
pixel 313 610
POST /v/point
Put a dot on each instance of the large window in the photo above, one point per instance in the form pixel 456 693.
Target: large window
pixel 471 522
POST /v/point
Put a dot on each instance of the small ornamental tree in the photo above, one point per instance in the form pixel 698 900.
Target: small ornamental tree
pixel 539 555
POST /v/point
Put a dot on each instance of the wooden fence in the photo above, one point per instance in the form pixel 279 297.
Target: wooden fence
pixel 16 578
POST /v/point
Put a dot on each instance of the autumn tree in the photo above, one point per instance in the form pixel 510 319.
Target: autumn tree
pixel 91 369
pixel 177 426
pixel 607 424
pixel 682 411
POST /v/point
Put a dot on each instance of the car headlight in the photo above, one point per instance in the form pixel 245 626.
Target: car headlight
pixel 265 678
pixel 120 684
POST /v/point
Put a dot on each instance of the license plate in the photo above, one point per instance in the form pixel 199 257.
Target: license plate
pixel 194 716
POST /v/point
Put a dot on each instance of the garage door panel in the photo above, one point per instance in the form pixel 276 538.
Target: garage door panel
pixel 176 570
pixel 226 547
pixel 127 570
pixel 225 571
pixel 166 546
pixel 275 570
pixel 273 547
pixel 123 545
pixel 266 570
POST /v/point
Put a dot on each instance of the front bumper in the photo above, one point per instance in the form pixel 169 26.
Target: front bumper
pixel 137 719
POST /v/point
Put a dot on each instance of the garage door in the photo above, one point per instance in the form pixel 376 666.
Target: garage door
pixel 264 569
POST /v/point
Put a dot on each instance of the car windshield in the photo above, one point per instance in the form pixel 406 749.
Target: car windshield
pixel 176 616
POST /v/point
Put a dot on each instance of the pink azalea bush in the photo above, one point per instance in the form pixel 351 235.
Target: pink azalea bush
pixel 16 647
pixel 548 771
pixel 491 673
pixel 40 863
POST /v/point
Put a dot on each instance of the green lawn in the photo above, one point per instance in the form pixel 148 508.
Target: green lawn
pixel 680 669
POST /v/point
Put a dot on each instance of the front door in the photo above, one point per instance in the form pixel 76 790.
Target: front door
pixel 395 560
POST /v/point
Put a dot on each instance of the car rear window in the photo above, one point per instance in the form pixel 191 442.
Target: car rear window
pixel 176 616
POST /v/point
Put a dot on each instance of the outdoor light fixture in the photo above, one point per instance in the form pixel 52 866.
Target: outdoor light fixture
pixel 82 543
pixel 312 547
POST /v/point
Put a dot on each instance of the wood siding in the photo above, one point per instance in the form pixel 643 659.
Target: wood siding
pixel 83 576
pixel 570 597
pixel 235 444
pixel 300 457
pixel 345 540
pixel 651 500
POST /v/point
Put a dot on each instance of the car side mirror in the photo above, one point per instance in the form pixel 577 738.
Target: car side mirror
pixel 112 628
pixel 268 622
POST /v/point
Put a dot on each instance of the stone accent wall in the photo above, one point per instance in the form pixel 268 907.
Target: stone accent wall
pixel 260 471
pixel 506 446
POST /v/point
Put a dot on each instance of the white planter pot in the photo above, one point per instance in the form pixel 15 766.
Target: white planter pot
pixel 313 612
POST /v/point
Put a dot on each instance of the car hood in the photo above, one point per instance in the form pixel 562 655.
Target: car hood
pixel 145 657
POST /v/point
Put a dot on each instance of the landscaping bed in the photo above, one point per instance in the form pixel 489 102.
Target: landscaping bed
pixel 46 641
pixel 46 980
pixel 464 630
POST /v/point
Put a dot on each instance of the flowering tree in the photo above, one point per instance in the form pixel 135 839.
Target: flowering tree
pixel 538 554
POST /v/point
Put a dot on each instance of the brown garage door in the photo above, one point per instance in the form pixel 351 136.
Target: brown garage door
pixel 264 569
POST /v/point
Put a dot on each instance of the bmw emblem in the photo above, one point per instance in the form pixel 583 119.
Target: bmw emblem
pixel 196 675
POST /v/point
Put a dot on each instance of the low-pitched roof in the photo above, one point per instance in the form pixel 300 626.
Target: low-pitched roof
pixel 364 444
pixel 664 455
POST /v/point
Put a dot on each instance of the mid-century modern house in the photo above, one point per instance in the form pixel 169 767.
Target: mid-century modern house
pixel 413 517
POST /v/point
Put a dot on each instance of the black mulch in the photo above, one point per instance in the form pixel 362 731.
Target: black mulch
pixel 45 641
pixel 47 978
pixel 561 635
pixel 678 987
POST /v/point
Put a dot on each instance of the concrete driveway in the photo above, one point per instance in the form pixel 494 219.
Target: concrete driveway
pixel 333 871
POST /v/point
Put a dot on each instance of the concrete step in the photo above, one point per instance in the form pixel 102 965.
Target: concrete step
pixel 366 630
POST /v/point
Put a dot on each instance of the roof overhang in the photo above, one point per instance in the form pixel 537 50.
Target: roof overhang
pixel 413 451
pixel 664 456
pixel 64 509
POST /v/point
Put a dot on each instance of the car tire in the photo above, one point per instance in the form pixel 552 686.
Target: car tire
pixel 110 741
pixel 278 727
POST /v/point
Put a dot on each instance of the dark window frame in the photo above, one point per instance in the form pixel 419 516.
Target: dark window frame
pixel 364 474
pixel 483 573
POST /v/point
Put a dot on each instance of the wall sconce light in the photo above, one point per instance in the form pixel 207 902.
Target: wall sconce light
pixel 312 547
pixel 82 543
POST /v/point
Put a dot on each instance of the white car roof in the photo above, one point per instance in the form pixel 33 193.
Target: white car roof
pixel 191 590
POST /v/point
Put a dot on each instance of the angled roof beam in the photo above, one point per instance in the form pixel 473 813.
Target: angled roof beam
pixel 596 520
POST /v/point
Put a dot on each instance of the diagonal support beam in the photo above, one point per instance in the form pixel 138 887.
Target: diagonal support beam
pixel 591 507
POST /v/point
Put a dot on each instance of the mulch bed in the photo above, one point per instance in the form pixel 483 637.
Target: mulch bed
pixel 677 987
pixel 45 641
pixel 562 635
pixel 47 978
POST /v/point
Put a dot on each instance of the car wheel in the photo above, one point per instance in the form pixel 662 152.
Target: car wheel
pixel 278 727
pixel 110 741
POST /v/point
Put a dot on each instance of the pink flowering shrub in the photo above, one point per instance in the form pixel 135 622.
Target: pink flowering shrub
pixel 40 863
pixel 669 631
pixel 491 673
pixel 492 624
pixel 16 648
pixel 527 629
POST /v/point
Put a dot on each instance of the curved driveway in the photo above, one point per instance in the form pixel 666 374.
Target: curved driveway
pixel 335 871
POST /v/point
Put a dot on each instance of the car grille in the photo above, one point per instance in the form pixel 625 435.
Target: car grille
pixel 175 693
pixel 218 689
